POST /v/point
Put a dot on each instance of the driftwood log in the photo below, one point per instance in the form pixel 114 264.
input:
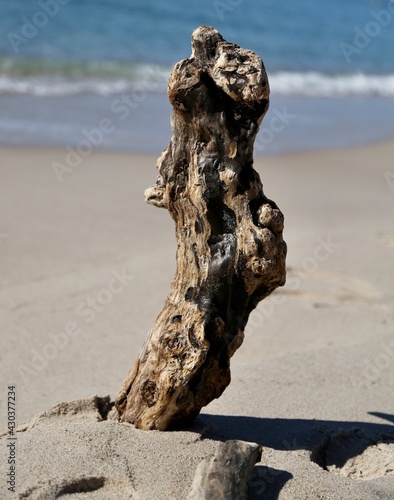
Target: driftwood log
pixel 224 475
pixel 230 250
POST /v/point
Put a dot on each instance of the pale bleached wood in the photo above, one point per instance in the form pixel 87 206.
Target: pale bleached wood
pixel 225 474
pixel 230 250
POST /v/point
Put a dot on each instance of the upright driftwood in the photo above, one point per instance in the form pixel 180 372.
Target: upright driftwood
pixel 230 251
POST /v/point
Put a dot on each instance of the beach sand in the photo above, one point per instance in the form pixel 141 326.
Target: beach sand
pixel 85 268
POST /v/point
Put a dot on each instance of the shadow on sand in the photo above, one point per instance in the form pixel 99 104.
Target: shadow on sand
pixel 314 436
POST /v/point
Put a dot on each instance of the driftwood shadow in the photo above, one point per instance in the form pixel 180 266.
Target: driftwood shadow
pixel 289 434
pixel 267 482
pixel 315 436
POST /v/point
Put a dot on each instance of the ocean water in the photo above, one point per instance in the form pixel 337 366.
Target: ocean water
pixel 66 65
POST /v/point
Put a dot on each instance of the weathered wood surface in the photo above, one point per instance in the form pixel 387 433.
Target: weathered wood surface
pixel 225 474
pixel 230 250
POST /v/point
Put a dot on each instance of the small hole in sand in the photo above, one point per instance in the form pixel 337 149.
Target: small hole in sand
pixel 82 485
pixel 356 454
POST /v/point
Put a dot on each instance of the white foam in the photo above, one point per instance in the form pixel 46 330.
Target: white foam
pixel 44 87
pixel 282 83
pixel 320 85
pixel 55 82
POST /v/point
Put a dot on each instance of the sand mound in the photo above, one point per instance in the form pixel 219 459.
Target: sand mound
pixel 74 449
pixel 356 454
pixel 80 450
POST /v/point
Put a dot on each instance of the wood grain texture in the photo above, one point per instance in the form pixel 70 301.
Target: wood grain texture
pixel 230 250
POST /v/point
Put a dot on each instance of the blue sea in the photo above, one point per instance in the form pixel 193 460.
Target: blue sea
pixel 67 65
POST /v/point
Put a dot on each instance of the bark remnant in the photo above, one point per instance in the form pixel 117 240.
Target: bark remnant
pixel 230 250
pixel 225 474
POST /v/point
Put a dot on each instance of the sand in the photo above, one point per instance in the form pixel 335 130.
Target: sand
pixel 83 278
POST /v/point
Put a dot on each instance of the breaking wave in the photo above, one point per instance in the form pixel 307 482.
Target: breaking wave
pixel 53 78
pixel 321 85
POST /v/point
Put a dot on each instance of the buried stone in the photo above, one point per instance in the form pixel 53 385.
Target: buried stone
pixel 230 250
